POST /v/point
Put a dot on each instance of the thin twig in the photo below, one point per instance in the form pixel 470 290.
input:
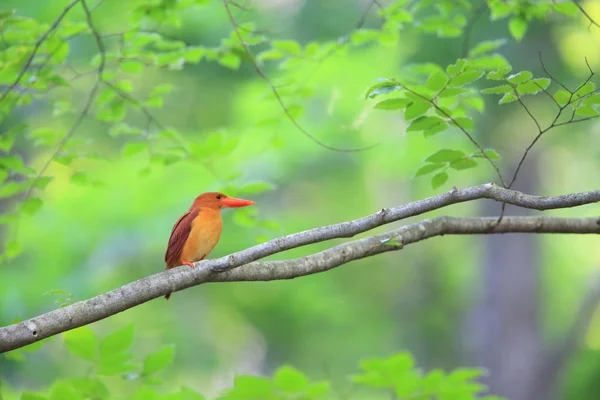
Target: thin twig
pixel 469 28
pixel 276 92
pixel 592 22
pixel 36 47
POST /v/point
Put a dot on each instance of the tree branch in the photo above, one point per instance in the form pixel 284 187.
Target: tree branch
pixel 226 268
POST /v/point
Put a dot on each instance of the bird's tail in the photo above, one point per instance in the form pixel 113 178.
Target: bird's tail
pixel 167 296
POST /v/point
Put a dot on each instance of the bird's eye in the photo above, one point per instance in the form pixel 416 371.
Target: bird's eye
pixel 219 197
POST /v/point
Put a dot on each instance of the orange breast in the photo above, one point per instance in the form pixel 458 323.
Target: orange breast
pixel 205 234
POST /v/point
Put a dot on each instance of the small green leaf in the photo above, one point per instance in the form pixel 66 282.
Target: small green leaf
pixel 230 60
pixel 437 81
pixel 464 163
pixel 131 67
pixel 491 153
pixel 542 82
pixel 465 123
pixel 423 123
pixel 416 109
pixel 117 342
pixel 520 77
pixel 287 46
pixel 486 46
pixel 518 27
pixel 593 99
pixel 567 8
pixel 193 54
pixel 464 78
pixel 31 206
pixel 438 180
pixel 584 90
pixel 8 189
pixel 381 88
pixel 498 89
pixel 290 380
pixel 12 249
pixel 42 182
pixel 445 155
pixel 79 178
pixel 586 111
pixel 429 168
pixel 455 69
pixel 562 97
pixel 82 342
pixel 159 360
pixel 499 74
pixel 528 88
pixel 133 148
pixel 508 98
pixel 442 126
pixel 61 391
pixel 393 104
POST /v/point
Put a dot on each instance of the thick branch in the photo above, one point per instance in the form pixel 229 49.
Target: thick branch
pixel 145 289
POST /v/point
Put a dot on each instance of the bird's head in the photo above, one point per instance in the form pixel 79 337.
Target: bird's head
pixel 218 201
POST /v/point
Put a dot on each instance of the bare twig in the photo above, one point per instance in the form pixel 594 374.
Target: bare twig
pixel 469 28
pixel 36 47
pixel 286 111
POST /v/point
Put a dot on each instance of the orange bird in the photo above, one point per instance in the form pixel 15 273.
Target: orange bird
pixel 197 232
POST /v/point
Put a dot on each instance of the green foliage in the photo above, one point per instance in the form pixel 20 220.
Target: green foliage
pixel 397 373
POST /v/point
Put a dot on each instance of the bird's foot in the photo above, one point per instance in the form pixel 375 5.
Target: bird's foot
pixel 191 264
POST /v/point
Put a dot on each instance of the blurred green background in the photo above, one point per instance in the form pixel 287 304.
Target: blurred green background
pixel 495 302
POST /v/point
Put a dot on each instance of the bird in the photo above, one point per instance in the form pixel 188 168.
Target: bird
pixel 198 231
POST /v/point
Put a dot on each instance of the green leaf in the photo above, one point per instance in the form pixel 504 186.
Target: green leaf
pixel 486 47
pixel 517 27
pixel 445 155
pixel 159 360
pixel 193 54
pixel 62 391
pixel 435 129
pixel 499 74
pixel 82 342
pixel 424 122
pixel 464 163
pixel 438 180
pixel 562 97
pixel 508 98
pixel 89 388
pixel 131 67
pixel 230 60
pixel 416 109
pixel 528 88
pixel 381 88
pixel 290 380
pixel 542 82
pixel 586 111
pixel 520 77
pixel 117 342
pixel 12 249
pixel 498 89
pixel 42 182
pixel 593 99
pixel 584 90
pixel 133 148
pixel 393 104
pixel 455 69
pixel 437 81
pixel 465 123
pixel 567 8
pixel 8 189
pixel 287 46
pixel 3 175
pixel 251 387
pixel 79 178
pixel 361 36
pixel 31 206
pixel 184 394
pixel 429 168
pixel 123 129
pixel 464 78
pixel 491 153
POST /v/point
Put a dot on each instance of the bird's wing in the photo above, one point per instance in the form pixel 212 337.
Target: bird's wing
pixel 179 234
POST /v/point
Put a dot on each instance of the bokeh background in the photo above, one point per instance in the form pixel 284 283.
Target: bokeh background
pixel 501 302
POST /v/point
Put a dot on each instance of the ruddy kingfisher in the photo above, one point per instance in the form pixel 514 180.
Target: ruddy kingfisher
pixel 197 232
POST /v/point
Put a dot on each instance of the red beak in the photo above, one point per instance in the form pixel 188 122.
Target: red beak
pixel 233 202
